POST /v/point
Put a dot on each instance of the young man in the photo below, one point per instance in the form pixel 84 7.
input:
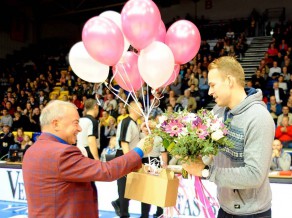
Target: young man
pixel 241 172
pixel 88 137
pixel 57 177
pixel 128 134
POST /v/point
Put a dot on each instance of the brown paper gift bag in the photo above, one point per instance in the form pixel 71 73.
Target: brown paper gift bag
pixel 158 190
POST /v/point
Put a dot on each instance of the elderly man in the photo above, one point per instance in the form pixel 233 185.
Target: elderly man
pixel 57 176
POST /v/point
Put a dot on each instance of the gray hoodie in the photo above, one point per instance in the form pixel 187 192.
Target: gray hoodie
pixel 241 173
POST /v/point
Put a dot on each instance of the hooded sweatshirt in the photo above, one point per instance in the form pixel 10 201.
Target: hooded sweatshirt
pixel 241 172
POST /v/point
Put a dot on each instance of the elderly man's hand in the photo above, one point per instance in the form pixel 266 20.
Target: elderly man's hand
pixel 146 145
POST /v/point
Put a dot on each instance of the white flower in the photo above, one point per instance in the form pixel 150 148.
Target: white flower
pixel 215 126
pixel 162 118
pixel 183 133
pixel 217 135
pixel 190 117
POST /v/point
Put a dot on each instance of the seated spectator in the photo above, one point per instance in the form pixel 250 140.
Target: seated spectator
pixel 265 73
pixel 272 51
pixel 268 60
pixel 275 69
pixel 194 92
pixel 216 49
pixel 169 108
pixel 281 160
pixel 9 108
pixel 171 94
pixel 274 108
pixel 6 119
pixel 285 113
pixel 282 84
pixel 189 103
pixel 289 104
pixel 105 119
pixel 42 98
pixel 110 149
pixel 257 80
pixel 279 58
pixel 122 94
pixel 28 109
pixel 110 100
pixel 18 138
pixel 284 133
pixel 176 86
pixel 176 106
pixel 205 48
pixel 283 47
pixel 203 89
pixel 278 93
pixel 156 110
pixel 6 140
pixel 20 121
pixel 123 114
pixel 35 120
pixel 285 74
pixel 111 111
pixel 111 129
pixel 26 143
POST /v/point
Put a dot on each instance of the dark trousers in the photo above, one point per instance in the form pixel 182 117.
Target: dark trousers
pixel 266 214
pixel 124 202
pixel 89 153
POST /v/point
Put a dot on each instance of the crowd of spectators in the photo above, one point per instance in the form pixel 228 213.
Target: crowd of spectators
pixel 28 87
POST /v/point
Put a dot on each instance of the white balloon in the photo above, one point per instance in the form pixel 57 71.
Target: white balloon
pixel 156 64
pixel 116 18
pixel 85 67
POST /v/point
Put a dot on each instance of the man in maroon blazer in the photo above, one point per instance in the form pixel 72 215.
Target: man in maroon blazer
pixel 57 176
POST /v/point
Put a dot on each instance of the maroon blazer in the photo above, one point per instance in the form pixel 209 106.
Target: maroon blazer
pixel 57 178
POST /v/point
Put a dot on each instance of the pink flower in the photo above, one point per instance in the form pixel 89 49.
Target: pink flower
pixel 173 128
pixel 202 131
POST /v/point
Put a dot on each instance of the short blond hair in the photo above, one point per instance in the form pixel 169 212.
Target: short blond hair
pixel 228 65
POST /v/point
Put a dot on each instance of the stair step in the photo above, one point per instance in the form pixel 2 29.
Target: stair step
pixel 254 54
pixel 257 49
pixel 259 46
pixel 251 64
pixel 255 41
pixel 250 69
pixel 252 59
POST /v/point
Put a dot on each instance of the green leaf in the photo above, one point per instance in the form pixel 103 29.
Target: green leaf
pixel 171 145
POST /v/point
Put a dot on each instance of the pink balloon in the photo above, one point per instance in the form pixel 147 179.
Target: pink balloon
pixel 184 40
pixel 127 74
pixel 103 40
pixel 160 35
pixel 173 75
pixel 140 22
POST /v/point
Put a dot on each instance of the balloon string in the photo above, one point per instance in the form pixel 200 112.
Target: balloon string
pixel 110 87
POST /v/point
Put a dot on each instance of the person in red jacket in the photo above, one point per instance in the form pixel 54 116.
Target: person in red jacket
pixel 57 176
pixel 284 133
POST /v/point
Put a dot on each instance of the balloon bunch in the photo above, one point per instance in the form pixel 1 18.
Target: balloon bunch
pixel 106 40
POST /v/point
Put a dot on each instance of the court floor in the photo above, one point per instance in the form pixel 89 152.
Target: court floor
pixel 19 210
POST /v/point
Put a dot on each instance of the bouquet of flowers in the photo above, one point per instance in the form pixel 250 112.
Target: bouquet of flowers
pixel 188 136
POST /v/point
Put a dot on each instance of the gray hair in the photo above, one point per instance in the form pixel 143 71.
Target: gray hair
pixel 55 109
